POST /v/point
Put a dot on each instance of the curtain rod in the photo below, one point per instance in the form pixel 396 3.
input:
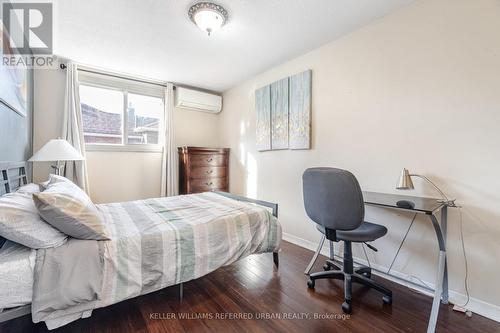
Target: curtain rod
pixel 63 66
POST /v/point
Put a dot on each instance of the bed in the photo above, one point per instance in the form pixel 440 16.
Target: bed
pixel 154 243
pixel 17 264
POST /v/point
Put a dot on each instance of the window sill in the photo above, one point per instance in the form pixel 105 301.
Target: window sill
pixel 124 148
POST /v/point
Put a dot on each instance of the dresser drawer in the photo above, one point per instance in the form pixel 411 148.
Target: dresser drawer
pixel 208 172
pixel 208 184
pixel 207 189
pixel 207 160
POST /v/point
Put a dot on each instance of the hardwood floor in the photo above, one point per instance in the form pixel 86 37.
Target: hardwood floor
pixel 251 288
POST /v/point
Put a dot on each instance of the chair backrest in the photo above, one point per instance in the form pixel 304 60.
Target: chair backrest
pixel 333 198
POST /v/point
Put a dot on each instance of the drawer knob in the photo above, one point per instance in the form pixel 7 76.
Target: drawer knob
pixel 210 159
pixel 209 171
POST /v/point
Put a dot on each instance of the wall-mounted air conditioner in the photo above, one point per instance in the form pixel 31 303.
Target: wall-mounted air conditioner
pixel 197 100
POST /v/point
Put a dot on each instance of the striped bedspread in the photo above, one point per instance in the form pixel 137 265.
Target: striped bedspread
pixel 161 242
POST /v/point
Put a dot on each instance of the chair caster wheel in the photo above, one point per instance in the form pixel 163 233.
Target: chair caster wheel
pixel 326 267
pixel 387 300
pixel 346 307
pixel 310 284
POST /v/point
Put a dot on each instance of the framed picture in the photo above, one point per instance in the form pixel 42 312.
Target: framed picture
pixel 13 85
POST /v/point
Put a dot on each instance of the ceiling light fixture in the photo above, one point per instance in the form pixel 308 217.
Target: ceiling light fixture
pixel 208 16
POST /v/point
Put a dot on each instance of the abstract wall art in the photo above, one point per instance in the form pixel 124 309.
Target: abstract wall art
pixel 283 113
pixel 263 118
pixel 13 83
pixel 279 114
pixel 300 110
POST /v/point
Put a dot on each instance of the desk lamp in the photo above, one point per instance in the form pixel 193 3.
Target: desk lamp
pixel 405 183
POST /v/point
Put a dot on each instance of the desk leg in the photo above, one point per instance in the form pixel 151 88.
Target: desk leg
pixel 437 294
pixel 440 276
pixel 444 228
pixel 332 251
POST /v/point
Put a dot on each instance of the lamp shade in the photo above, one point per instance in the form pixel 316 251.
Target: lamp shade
pixel 57 150
pixel 405 182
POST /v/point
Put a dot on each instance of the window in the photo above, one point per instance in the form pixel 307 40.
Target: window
pixel 144 116
pixel 120 114
pixel 102 115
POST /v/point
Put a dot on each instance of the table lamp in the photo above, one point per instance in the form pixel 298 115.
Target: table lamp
pixel 405 183
pixel 57 150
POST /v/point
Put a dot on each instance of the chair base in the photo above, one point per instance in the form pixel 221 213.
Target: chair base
pixel 349 275
pixel 363 270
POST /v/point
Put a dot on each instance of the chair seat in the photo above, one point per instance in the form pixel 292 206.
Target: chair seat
pixel 366 232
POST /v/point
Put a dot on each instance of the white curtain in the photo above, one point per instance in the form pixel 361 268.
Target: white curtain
pixel 73 128
pixel 169 179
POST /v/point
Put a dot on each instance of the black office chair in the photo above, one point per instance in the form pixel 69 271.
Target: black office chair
pixel 333 200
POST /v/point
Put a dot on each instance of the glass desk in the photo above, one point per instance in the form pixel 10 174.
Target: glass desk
pixel 430 207
pixel 422 205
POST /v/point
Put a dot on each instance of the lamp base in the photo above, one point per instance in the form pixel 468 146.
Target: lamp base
pixel 57 168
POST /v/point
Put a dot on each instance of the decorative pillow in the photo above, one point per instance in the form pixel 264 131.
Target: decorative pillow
pixel 20 223
pixel 30 188
pixel 67 208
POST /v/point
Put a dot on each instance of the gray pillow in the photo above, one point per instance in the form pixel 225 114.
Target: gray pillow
pixel 67 208
pixel 20 223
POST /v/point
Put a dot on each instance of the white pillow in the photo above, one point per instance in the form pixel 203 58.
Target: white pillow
pixel 54 179
pixel 20 223
pixel 57 179
pixel 30 188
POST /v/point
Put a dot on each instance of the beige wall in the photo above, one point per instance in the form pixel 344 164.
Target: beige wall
pixel 123 176
pixel 420 89
pixel 114 176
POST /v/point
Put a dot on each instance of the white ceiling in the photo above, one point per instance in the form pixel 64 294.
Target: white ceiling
pixel 155 39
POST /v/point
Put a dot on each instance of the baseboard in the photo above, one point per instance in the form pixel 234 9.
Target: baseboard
pixel 478 306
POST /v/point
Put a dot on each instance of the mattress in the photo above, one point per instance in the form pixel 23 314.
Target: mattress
pixel 17 264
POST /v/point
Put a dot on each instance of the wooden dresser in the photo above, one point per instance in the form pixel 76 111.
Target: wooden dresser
pixel 203 169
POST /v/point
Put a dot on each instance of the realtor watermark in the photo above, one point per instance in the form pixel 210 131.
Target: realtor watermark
pixel 247 316
pixel 27 36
